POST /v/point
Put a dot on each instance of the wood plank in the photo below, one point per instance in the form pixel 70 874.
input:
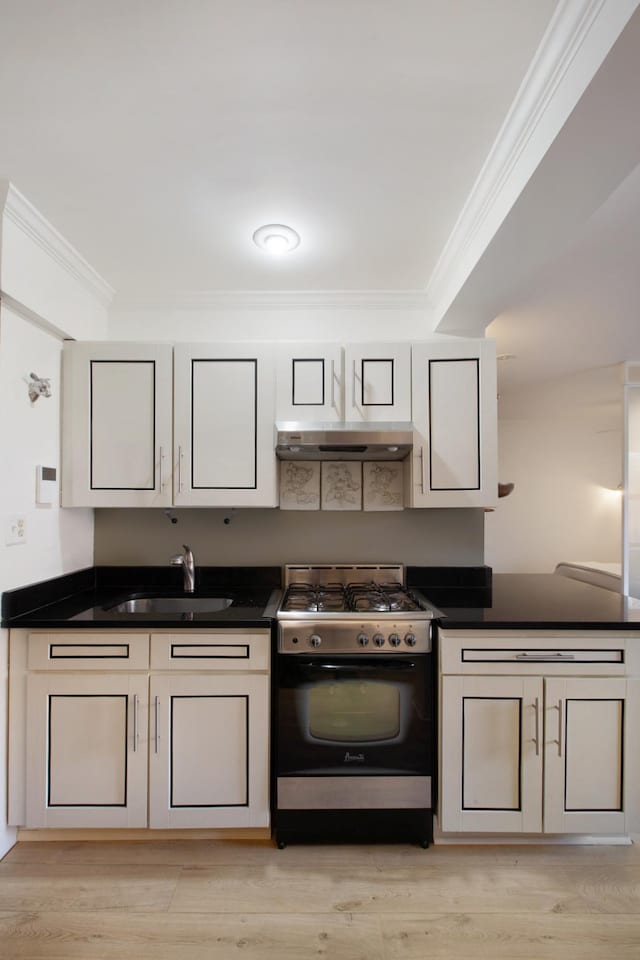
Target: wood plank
pixel 112 936
pixel 501 936
pixel 462 887
pixel 86 887
pixel 191 853
pixel 508 853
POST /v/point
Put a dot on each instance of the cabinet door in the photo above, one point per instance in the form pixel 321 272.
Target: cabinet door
pixel 454 462
pixel 86 751
pixel 309 383
pixel 224 433
pixel 116 425
pixel 209 751
pixel 378 382
pixel 491 761
pixel 584 755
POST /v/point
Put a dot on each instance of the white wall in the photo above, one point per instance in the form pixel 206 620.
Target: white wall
pixel 291 319
pixel 44 275
pixel 47 292
pixel 56 541
pixel 561 444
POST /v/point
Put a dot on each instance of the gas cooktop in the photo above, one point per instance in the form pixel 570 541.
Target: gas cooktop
pixel 352 608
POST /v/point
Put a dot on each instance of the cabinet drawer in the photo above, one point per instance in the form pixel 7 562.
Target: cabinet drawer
pixel 554 653
pixel 536 656
pixel 222 650
pixel 88 651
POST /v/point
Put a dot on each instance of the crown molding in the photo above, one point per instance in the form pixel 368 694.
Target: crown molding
pixel 24 215
pixel 278 300
pixel 578 38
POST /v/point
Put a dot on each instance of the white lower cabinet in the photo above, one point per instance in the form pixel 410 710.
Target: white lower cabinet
pixel 208 761
pixel 166 731
pixel 86 750
pixel 525 752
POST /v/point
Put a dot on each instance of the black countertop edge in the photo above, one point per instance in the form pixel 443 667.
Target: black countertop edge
pixel 474 620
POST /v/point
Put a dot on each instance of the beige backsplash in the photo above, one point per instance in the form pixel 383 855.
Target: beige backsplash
pixel 272 537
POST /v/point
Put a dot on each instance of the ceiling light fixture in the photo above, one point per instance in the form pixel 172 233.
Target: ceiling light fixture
pixel 276 238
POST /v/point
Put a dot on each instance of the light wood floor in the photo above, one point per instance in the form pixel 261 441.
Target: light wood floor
pixel 191 900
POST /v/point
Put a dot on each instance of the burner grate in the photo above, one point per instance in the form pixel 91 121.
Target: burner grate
pixel 356 596
pixel 307 597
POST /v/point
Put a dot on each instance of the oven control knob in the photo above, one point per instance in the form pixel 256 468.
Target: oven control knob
pixel 315 640
pixel 394 640
pixel 378 640
pixel 410 640
pixel 363 639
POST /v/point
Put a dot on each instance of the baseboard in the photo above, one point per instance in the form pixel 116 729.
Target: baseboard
pixel 246 833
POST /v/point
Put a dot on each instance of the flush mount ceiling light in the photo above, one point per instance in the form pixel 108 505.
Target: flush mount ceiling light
pixel 276 238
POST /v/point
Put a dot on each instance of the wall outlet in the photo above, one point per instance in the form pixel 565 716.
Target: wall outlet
pixel 15 530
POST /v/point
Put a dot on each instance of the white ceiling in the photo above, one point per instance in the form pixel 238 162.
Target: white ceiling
pixel 156 135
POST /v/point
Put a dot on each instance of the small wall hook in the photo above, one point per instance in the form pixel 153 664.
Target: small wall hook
pixel 38 387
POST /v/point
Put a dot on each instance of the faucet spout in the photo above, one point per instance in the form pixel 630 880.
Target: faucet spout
pixel 186 561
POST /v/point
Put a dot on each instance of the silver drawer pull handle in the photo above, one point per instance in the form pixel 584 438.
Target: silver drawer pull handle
pixel 135 722
pixel 560 731
pixel 548 657
pixel 333 383
pixel 536 740
pixel 179 469
pixel 156 707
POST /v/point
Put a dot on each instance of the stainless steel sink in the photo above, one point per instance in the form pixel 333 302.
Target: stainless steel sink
pixel 172 605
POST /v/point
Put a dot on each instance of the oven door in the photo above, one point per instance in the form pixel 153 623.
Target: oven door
pixel 355 716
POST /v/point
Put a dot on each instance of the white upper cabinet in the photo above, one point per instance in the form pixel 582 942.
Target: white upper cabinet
pixel 454 398
pixel 377 382
pixel 309 382
pixel 325 383
pixel 116 448
pixel 194 424
pixel 224 447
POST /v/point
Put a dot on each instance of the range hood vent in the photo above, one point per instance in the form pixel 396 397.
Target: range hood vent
pixel 344 441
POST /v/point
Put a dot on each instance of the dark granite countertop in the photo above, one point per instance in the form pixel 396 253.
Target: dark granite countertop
pixel 468 597
pixel 84 599
pixel 545 601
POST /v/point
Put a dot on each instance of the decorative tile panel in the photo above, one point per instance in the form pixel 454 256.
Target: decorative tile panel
pixel 383 485
pixel 299 485
pixel 341 485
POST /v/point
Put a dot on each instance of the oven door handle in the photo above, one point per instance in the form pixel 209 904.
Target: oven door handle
pixel 376 667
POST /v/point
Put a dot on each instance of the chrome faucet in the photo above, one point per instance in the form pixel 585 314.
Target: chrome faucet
pixel 185 560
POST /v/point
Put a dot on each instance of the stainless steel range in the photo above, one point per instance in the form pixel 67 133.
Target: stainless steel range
pixel 355 743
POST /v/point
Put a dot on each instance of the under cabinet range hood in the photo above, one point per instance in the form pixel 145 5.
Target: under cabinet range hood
pixel 343 441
